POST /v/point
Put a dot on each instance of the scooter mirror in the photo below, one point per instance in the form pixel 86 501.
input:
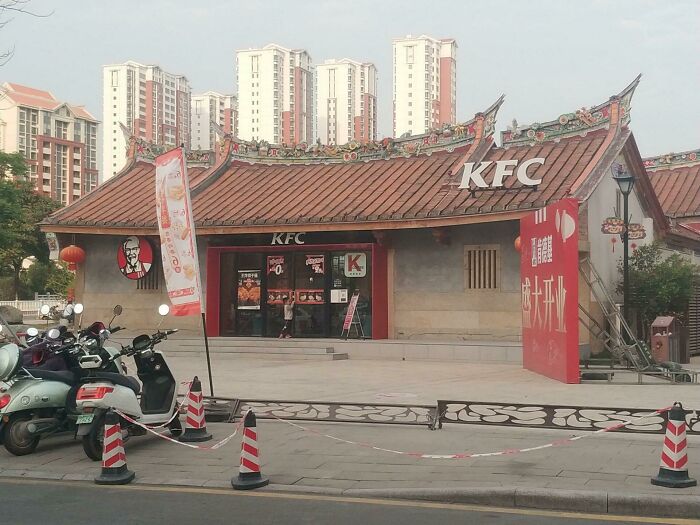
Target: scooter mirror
pixel 45 309
pixel 163 310
pixel 32 332
pixel 54 333
pixel 117 310
pixel 78 308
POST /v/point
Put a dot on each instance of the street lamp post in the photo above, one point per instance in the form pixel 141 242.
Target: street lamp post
pixel 625 182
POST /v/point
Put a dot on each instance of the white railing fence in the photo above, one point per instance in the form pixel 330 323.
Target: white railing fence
pixel 30 309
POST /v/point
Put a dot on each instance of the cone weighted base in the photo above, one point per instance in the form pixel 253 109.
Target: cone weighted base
pixel 195 435
pixel 248 481
pixel 673 479
pixel 115 476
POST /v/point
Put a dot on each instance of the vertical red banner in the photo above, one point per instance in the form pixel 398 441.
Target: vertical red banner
pixel 549 291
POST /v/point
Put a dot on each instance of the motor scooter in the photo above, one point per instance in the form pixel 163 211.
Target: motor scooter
pixel 36 402
pixel 100 392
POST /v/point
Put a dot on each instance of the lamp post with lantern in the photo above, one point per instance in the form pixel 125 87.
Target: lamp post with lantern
pixel 625 181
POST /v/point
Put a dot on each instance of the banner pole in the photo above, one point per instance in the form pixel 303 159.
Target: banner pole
pixel 206 348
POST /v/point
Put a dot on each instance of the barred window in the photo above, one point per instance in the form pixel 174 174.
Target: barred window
pixel 151 281
pixel 482 267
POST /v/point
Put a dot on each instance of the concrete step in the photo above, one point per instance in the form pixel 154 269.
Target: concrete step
pixel 277 353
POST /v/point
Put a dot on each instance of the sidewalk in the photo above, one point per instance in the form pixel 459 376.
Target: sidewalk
pixel 599 468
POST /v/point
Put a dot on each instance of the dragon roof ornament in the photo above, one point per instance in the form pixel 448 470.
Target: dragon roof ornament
pixel 580 122
pixel 447 137
pixel 145 151
pixel 672 160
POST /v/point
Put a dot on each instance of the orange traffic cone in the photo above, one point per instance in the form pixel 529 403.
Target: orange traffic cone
pixel 114 470
pixel 673 472
pixel 195 423
pixel 249 476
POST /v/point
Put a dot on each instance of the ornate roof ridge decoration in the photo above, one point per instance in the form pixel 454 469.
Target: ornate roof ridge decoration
pixel 446 138
pixel 672 160
pixel 579 123
pixel 143 151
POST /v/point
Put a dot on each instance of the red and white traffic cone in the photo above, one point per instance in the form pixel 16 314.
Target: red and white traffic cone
pixel 674 456
pixel 114 470
pixel 249 476
pixel 195 422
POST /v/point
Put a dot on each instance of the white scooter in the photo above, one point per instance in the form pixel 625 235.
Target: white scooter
pixel 157 404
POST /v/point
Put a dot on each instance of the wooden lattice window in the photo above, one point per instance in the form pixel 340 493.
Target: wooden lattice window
pixel 482 267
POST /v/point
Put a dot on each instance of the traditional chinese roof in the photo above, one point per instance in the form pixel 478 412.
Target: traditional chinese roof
pixel 676 181
pixel 402 183
pixel 577 123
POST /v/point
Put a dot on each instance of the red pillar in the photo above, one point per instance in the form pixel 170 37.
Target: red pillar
pixel 213 299
pixel 380 291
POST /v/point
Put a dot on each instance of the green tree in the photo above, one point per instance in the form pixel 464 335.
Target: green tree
pixel 47 278
pixel 22 209
pixel 660 285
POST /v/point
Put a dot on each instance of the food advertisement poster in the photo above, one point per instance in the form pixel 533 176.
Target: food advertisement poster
pixel 277 295
pixel 310 296
pixel 249 289
pixel 317 263
pixel 276 265
pixel 177 238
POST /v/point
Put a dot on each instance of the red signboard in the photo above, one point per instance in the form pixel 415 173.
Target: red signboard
pixel 549 291
pixel 351 311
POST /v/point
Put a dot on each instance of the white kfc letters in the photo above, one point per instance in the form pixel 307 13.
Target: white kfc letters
pixel 504 168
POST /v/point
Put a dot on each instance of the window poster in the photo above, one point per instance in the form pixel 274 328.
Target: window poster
pixel 249 289
pixel 277 295
pixel 317 263
pixel 310 297
pixel 276 265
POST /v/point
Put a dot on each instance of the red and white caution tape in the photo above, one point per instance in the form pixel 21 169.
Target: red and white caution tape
pixel 179 408
pixel 167 438
pixel 468 455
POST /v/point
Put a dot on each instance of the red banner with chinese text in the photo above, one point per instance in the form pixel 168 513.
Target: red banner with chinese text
pixel 177 236
pixel 549 291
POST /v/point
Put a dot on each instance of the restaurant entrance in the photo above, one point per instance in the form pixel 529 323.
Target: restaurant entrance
pixel 320 280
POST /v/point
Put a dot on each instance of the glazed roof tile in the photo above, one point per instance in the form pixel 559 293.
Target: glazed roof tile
pixel 676 181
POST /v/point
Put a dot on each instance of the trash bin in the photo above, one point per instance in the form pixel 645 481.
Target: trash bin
pixel 665 339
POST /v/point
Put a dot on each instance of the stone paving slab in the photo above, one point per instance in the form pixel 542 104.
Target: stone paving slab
pixel 606 462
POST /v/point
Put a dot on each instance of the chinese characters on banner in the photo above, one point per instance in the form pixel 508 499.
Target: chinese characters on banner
pixel 549 291
pixel 177 238
pixel 316 262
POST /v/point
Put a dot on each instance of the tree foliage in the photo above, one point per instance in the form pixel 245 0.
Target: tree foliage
pixel 659 285
pixel 21 209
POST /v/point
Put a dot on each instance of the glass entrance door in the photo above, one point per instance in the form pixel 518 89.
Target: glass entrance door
pixel 310 310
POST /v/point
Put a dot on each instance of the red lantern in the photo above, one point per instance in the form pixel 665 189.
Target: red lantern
pixel 517 244
pixel 72 255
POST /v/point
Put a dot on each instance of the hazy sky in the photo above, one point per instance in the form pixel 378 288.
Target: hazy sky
pixel 547 56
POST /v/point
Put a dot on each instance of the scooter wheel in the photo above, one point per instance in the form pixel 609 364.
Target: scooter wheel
pixel 15 437
pixel 175 427
pixel 93 441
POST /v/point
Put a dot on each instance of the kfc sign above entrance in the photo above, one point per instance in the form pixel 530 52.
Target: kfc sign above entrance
pixel 473 178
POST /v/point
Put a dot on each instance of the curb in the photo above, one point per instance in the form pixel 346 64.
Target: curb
pixel 585 501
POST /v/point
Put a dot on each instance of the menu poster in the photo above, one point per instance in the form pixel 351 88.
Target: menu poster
pixel 276 296
pixel 276 264
pixel 310 296
pixel 317 263
pixel 249 289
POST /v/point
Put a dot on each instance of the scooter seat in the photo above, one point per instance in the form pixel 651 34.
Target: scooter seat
pixel 62 376
pixel 118 379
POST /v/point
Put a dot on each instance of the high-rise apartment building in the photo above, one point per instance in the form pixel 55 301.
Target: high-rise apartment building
pixel 153 104
pixel 275 95
pixel 346 101
pixel 59 141
pixel 425 83
pixel 212 107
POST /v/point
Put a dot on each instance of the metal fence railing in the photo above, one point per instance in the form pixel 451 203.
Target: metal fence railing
pixel 30 309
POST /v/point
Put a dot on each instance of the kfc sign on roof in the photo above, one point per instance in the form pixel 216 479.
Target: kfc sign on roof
pixel 504 168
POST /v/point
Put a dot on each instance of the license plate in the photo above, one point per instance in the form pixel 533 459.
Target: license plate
pixel 84 419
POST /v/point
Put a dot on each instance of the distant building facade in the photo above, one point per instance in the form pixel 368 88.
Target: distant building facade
pixel 425 83
pixel 275 95
pixel 153 104
pixel 59 141
pixel 346 101
pixel 212 107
